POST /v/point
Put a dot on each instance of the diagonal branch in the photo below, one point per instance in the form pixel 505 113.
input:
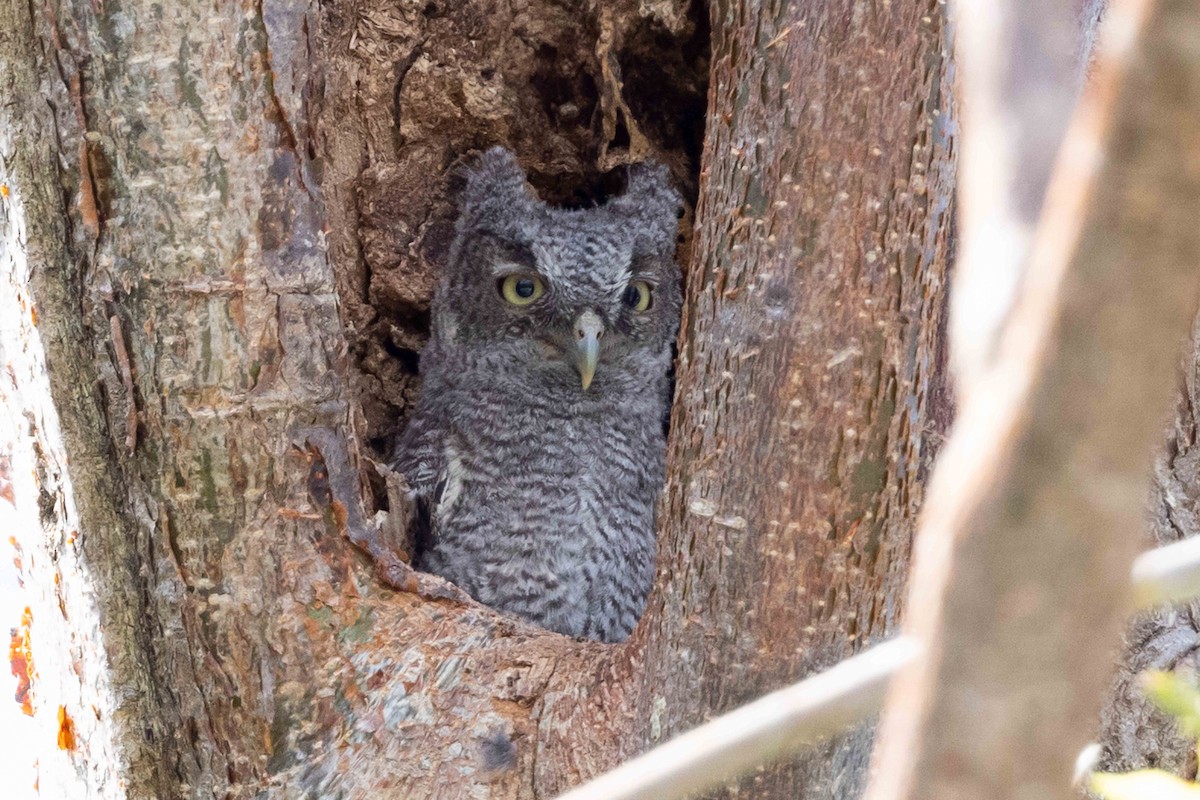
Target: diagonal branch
pixel 770 727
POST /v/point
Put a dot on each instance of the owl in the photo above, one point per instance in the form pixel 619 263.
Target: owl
pixel 535 450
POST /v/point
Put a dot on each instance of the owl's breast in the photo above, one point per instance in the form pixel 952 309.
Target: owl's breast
pixel 541 501
pixel 534 474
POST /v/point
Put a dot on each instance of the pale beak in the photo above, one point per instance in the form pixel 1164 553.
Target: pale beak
pixel 588 330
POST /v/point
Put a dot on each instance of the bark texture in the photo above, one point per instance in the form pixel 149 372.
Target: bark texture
pixel 228 220
pixel 810 396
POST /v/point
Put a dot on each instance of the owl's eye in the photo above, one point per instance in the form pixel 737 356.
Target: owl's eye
pixel 637 296
pixel 521 290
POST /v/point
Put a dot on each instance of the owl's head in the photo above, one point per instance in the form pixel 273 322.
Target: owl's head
pixel 585 299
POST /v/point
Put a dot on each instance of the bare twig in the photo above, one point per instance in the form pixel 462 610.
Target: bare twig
pixel 1168 574
pixel 1017 70
pixel 757 732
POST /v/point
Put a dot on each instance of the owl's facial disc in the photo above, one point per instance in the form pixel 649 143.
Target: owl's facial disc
pixel 588 330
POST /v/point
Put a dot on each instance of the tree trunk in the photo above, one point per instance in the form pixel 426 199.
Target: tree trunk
pixel 222 225
pixel 1022 579
pixel 1134 734
pixel 810 393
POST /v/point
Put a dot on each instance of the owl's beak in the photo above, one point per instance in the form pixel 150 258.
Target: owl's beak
pixel 588 330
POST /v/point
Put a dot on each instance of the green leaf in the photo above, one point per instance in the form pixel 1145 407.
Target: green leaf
pixel 1176 696
pixel 1146 784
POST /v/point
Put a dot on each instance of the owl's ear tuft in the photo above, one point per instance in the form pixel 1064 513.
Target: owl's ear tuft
pixel 653 204
pixel 495 188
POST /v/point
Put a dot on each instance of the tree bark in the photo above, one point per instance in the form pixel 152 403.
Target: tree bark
pixel 810 393
pixel 227 220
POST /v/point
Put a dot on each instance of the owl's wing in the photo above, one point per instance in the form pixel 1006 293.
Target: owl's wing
pixel 420 456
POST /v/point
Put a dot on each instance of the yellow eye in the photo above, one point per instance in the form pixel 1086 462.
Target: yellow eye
pixel 521 290
pixel 637 296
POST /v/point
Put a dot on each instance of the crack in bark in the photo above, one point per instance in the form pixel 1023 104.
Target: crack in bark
pixel 402 70
pixel 280 117
pixel 126 373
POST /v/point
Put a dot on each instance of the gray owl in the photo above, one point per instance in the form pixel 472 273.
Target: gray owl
pixel 536 446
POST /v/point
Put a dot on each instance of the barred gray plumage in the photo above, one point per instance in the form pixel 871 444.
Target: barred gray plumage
pixel 536 446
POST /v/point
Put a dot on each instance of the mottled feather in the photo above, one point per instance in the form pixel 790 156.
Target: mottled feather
pixel 540 493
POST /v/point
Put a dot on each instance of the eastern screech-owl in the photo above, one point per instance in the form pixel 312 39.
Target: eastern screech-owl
pixel 536 446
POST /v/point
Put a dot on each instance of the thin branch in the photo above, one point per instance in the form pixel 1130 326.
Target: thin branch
pixel 1168 574
pixel 770 726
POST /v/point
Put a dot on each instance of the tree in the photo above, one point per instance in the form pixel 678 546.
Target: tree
pixel 1022 577
pixel 223 223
